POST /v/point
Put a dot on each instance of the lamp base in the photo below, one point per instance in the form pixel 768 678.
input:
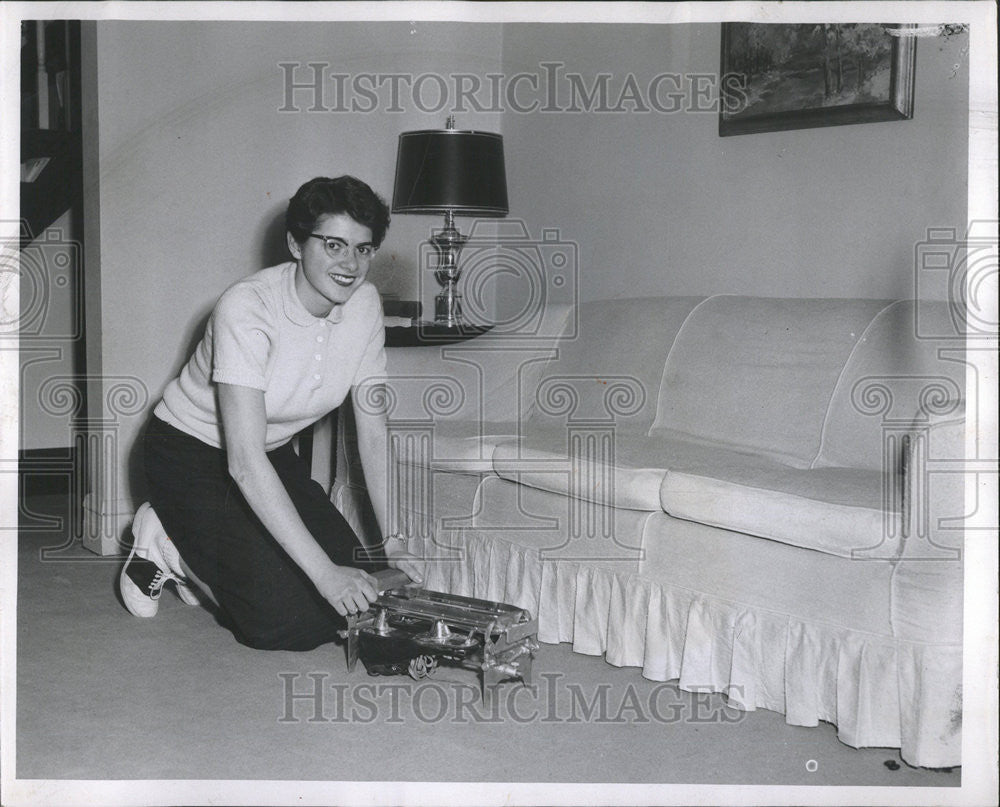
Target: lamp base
pixel 448 243
pixel 448 307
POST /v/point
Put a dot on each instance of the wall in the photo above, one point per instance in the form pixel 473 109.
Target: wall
pixel 660 204
pixel 195 165
pixel 190 163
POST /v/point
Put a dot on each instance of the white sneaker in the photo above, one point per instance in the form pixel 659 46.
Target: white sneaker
pixel 153 561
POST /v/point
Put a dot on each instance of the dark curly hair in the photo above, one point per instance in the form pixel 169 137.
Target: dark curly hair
pixel 324 197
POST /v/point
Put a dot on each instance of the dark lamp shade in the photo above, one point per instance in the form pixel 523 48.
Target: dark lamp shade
pixel 438 170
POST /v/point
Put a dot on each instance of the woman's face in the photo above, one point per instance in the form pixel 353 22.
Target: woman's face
pixel 331 268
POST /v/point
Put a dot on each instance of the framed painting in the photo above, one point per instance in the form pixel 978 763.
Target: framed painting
pixel 777 77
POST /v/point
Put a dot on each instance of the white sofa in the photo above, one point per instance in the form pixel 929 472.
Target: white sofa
pixel 756 496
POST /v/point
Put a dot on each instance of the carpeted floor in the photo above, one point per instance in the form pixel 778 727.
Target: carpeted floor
pixel 104 695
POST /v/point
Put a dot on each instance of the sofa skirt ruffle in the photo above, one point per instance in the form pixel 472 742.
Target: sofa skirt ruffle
pixel 877 691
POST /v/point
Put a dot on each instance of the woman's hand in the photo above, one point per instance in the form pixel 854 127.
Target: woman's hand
pixel 348 590
pixel 399 558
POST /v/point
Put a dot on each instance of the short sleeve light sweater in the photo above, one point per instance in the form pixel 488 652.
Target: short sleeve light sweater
pixel 261 336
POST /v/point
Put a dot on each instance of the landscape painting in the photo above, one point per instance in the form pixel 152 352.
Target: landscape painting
pixel 800 76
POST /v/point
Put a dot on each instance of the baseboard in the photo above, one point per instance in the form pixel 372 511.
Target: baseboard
pixel 105 525
pixel 54 471
pixel 47 471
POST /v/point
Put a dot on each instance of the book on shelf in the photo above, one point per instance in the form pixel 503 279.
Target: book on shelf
pixel 399 322
pixel 393 307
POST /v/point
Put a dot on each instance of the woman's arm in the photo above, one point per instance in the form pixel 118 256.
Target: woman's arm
pixel 244 426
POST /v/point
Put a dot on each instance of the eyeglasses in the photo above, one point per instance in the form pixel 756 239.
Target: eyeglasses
pixel 339 248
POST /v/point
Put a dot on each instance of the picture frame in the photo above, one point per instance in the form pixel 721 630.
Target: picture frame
pixel 778 77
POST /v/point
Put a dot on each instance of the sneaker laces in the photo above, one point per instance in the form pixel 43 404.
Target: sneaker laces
pixel 155 587
pixel 147 576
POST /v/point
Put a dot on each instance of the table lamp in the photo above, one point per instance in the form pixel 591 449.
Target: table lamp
pixel 455 173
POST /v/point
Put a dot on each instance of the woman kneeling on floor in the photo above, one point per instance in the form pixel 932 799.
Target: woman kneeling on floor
pixel 247 524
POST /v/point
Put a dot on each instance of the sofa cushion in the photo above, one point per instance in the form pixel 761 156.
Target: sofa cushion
pixel 839 511
pixel 631 466
pixel 613 469
pixel 449 445
pixel 611 368
pixel 757 374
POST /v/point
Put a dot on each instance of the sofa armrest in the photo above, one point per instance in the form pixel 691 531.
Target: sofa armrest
pixel 485 380
pixel 927 581
pixel 427 360
pixel 933 475
pixel 424 386
pixel 924 471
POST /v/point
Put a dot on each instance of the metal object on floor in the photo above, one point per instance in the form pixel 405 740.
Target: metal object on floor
pixel 412 631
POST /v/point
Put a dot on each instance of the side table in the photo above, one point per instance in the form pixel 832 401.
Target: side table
pixel 432 333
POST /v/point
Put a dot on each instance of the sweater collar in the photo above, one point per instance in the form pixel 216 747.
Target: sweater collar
pixel 294 309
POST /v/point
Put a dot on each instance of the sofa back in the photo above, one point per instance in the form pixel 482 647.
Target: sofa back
pixel 907 365
pixel 757 374
pixel 810 382
pixel 609 371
